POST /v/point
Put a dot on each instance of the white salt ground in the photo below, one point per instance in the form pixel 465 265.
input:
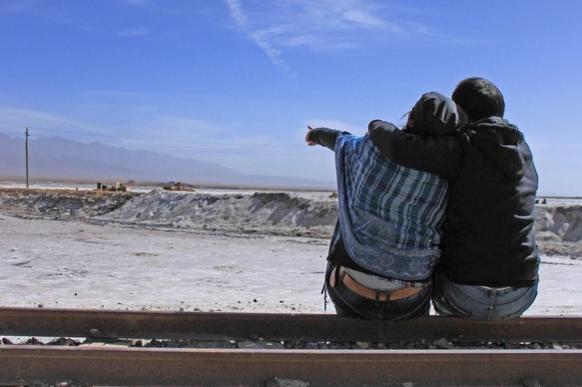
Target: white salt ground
pixel 77 265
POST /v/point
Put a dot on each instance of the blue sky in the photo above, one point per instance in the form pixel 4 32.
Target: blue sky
pixel 236 81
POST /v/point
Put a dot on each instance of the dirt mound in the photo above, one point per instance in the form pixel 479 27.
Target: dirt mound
pixel 559 229
pixel 558 226
pixel 60 203
pixel 559 223
pixel 263 213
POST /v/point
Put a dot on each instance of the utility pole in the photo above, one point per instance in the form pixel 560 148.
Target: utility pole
pixel 26 150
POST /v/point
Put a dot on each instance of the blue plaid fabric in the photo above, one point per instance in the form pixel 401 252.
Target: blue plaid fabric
pixel 390 217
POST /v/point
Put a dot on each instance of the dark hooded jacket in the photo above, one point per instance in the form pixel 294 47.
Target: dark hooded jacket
pixel 435 115
pixel 489 236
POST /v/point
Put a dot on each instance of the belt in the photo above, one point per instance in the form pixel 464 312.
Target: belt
pixel 368 293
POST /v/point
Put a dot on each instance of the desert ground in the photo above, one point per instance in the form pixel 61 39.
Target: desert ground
pixel 72 264
pixel 204 251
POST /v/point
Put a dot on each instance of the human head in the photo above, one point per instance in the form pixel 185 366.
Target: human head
pixel 435 115
pixel 480 98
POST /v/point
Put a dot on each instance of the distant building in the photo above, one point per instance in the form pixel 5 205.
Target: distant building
pixel 178 186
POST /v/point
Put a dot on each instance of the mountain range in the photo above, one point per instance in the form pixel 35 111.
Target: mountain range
pixel 60 159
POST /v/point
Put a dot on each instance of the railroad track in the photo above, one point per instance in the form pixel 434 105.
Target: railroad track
pixel 109 364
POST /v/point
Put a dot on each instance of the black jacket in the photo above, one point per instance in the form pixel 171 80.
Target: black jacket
pixel 489 236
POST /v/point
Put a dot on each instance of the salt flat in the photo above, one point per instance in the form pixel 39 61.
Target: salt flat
pixel 77 265
pixel 73 264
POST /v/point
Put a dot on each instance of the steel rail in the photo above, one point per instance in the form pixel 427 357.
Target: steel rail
pixel 145 366
pixel 300 327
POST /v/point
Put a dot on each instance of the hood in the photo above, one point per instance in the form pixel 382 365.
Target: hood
pixel 502 143
pixel 436 115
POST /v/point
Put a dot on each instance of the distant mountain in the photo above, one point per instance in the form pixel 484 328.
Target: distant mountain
pixel 55 158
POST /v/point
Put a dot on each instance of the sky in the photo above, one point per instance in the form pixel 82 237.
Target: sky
pixel 236 81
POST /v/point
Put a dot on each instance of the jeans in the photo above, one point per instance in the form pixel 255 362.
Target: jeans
pixel 481 302
pixel 350 304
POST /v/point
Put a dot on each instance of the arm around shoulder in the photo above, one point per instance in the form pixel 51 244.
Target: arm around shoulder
pixel 382 134
pixel 439 155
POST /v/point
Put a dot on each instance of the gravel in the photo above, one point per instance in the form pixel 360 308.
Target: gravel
pixel 441 343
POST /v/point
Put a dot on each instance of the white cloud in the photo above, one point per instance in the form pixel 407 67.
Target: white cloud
pixel 149 130
pixel 259 38
pixel 236 12
pixel 14 120
pixel 317 25
pixel 273 53
pixel 344 14
pixel 185 136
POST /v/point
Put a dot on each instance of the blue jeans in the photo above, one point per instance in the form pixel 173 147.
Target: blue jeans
pixel 349 304
pixel 481 302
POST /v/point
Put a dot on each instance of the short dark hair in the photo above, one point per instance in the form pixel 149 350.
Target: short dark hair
pixel 479 98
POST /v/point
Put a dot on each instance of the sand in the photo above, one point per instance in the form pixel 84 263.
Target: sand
pixel 77 265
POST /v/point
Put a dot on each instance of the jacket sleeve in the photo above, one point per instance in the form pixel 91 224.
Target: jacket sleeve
pixel 439 155
pixel 325 137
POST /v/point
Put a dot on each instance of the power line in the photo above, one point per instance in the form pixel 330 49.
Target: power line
pixel 26 151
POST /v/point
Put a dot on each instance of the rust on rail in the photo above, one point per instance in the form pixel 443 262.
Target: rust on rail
pixel 270 326
pixel 131 366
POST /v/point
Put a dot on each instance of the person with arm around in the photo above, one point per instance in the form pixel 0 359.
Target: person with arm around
pixel 489 262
